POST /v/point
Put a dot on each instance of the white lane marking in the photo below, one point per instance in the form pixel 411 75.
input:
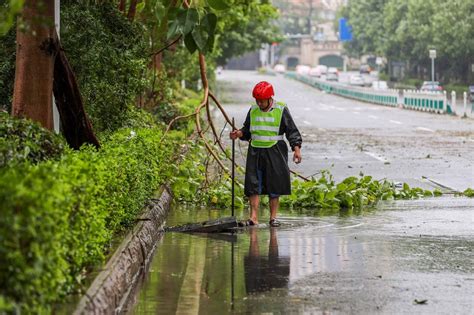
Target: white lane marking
pixel 341 109
pixel 395 122
pixel 372 116
pixel 349 226
pixel 306 122
pixel 307 109
pixel 424 129
pixel 357 113
pixel 376 156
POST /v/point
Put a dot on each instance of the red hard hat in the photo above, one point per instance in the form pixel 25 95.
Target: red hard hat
pixel 263 90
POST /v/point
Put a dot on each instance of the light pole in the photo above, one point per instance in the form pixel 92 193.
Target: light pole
pixel 432 56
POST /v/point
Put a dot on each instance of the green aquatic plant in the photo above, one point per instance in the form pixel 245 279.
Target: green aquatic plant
pixel 352 192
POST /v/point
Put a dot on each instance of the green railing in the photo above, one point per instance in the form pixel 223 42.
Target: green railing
pixel 417 100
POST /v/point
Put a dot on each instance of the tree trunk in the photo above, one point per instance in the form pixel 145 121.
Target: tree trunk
pixel 32 96
pixel 121 6
pixel 132 10
pixel 75 124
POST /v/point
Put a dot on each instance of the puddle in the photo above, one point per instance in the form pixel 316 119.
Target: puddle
pixel 336 261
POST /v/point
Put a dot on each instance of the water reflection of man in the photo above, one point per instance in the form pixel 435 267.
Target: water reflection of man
pixel 263 273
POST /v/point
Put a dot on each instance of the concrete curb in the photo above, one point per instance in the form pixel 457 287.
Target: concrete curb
pixel 110 289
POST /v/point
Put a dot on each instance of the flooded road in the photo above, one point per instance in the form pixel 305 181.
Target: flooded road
pixel 374 261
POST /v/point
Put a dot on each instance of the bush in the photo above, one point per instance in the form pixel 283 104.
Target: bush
pixel 108 55
pixel 58 217
pixel 459 88
pixel 23 140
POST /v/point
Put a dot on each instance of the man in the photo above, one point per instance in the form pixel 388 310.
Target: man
pixel 267 171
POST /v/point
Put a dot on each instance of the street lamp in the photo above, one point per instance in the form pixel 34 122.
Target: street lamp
pixel 432 56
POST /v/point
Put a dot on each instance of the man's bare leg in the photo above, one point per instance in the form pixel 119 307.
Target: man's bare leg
pixel 254 202
pixel 274 204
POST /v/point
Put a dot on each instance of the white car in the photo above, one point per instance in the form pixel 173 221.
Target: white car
pixel 356 80
pixel 279 68
pixel 302 69
pixel 318 71
pixel 379 85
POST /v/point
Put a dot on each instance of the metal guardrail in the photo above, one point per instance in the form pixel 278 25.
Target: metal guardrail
pixel 411 99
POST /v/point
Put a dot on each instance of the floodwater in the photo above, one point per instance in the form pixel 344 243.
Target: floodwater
pixel 405 257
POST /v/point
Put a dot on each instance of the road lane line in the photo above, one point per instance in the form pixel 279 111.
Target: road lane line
pixel 372 116
pixel 340 109
pixel 306 122
pixel 307 109
pixel 377 157
pixel 424 129
pixel 395 122
pixel 357 113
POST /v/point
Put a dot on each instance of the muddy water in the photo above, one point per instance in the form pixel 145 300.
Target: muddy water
pixel 376 261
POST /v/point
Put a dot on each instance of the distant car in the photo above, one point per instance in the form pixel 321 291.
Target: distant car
pixel 432 86
pixel 279 68
pixel 356 80
pixel 379 85
pixel 365 69
pixel 314 72
pixel 302 69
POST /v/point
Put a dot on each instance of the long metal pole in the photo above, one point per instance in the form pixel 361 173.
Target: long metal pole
pixel 233 168
pixel 432 70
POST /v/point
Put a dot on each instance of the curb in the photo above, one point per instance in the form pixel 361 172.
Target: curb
pixel 111 288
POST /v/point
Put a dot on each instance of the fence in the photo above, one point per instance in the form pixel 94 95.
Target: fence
pixel 411 99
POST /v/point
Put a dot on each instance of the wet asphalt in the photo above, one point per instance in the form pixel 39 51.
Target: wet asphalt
pixel 401 257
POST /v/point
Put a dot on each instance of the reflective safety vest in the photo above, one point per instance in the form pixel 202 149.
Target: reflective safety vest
pixel 265 126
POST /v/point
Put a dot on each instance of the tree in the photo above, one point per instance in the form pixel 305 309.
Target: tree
pixel 33 86
pixel 39 60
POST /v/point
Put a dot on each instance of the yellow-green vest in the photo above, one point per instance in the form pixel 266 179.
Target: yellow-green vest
pixel 265 126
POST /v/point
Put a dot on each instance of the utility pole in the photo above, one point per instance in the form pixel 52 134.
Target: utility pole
pixel 432 56
pixel 57 21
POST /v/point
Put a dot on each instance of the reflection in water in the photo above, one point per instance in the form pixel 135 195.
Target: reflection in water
pixel 305 265
pixel 263 273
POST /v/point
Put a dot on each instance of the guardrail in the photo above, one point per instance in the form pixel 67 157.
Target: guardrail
pixel 410 99
pixel 426 101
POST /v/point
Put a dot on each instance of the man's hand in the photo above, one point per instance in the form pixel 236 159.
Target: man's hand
pixel 297 155
pixel 236 134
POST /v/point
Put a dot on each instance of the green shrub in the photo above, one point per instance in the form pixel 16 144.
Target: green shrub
pixel 108 55
pixel 23 140
pixel 58 217
pixel 458 88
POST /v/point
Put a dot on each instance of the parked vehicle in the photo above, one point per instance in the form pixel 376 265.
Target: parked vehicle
pixel 318 71
pixel 332 76
pixel 279 68
pixel 379 85
pixel 356 80
pixel 432 86
pixel 365 69
pixel 302 69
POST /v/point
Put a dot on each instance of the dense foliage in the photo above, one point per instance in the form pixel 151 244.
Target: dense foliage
pixel 21 141
pixel 108 55
pixel 405 31
pixel 58 217
pixel 7 69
